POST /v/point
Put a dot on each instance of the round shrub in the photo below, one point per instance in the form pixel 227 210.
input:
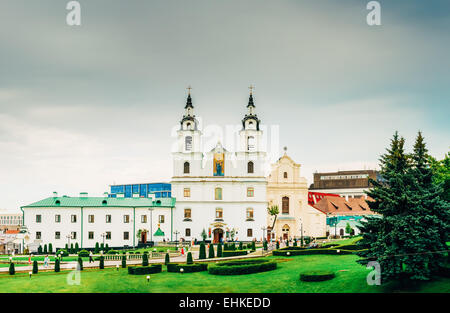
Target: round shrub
pixel 112 252
pixel 241 267
pixel 62 252
pixel 316 276
pixel 83 253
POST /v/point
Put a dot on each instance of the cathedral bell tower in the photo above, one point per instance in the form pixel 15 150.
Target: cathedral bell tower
pixel 250 135
pixel 188 155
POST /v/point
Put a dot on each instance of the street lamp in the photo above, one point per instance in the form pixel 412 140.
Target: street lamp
pixel 301 230
pixel 176 238
pixel 103 236
pixel 264 228
pixel 151 223
pixel 68 240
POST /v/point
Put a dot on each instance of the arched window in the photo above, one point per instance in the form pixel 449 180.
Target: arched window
pixel 188 143
pixel 285 205
pixel 250 168
pixel 218 193
pixel 285 174
pixel 186 168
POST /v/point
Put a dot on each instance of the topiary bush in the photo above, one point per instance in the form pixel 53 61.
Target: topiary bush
pixel 72 250
pixel 317 276
pixel 77 248
pixel 242 267
pixel 265 247
pixel 45 249
pixel 202 253
pixel 83 253
pixel 189 258
pixel 241 247
pixel 142 270
pixel 124 261
pixel 219 250
pixel 112 252
pixel 35 267
pixel 97 248
pixel 102 262
pixel 145 259
pixel 253 245
pixel 277 245
pixel 12 269
pixel 39 249
pixel 167 259
pixel 187 268
pixel 57 266
pixel 211 251
pixel 234 253
pixel 50 248
pixel 62 252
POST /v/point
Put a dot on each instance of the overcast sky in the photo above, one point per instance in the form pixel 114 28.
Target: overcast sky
pixel 87 106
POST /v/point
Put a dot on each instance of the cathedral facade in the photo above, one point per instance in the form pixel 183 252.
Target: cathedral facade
pixel 219 193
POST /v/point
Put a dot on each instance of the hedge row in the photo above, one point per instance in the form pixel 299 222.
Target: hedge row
pixel 187 268
pixel 348 247
pixel 228 253
pixel 312 251
pixel 142 270
pixel 317 276
pixel 241 267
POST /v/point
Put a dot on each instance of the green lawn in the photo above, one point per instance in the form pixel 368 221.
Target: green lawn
pixel 350 277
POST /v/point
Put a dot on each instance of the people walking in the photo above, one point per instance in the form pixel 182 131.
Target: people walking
pixel 46 261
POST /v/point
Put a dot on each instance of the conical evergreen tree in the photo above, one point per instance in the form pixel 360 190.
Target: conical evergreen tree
pixel 404 239
pixel 167 259
pixel 202 252
pixel 57 267
pixel 50 248
pixel 189 258
pixel 219 250
pixel 35 267
pixel 97 248
pixel 211 251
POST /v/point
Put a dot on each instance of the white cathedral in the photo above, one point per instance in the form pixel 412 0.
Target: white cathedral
pixel 221 192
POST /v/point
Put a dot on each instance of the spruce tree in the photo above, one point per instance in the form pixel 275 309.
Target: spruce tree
pixel 413 221
pixel 202 252
pixel 35 267
pixel 219 250
pixel 211 251
pixel 57 267
pixel 189 258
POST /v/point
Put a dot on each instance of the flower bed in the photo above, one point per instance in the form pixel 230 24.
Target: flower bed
pixel 241 267
pixel 142 270
pixel 316 276
pixel 187 268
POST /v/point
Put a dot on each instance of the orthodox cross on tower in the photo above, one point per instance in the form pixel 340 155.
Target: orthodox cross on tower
pixel 251 89
pixel 189 89
pixel 285 150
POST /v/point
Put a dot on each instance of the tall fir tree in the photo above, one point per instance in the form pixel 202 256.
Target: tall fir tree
pixel 405 238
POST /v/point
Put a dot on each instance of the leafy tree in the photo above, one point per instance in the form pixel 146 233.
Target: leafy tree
pixel 12 270
pixel 102 262
pixel 202 252
pixel 45 249
pixel 204 235
pixel 167 259
pixel 57 266
pixel 35 267
pixel 273 211
pixel 211 251
pixel 413 227
pixel 80 264
pixel 145 259
pixel 124 261
pixel 219 250
pixel 348 229
pixel 189 258
pixel 50 248
pixel 97 248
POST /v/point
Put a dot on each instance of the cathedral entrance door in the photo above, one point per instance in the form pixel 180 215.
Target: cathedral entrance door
pixel 144 237
pixel 218 235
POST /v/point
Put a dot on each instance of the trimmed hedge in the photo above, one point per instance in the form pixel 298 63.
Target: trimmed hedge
pixel 64 252
pixel 348 247
pixel 242 267
pixel 316 276
pixel 142 270
pixel 112 252
pixel 313 251
pixel 227 253
pixel 292 248
pixel 187 268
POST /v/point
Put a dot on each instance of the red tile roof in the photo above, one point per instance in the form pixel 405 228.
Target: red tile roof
pixel 339 206
pixel 11 232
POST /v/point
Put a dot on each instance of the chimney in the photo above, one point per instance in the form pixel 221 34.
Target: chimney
pixel 55 194
pixel 83 194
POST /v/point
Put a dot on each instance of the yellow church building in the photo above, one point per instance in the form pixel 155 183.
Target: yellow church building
pixel 289 191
